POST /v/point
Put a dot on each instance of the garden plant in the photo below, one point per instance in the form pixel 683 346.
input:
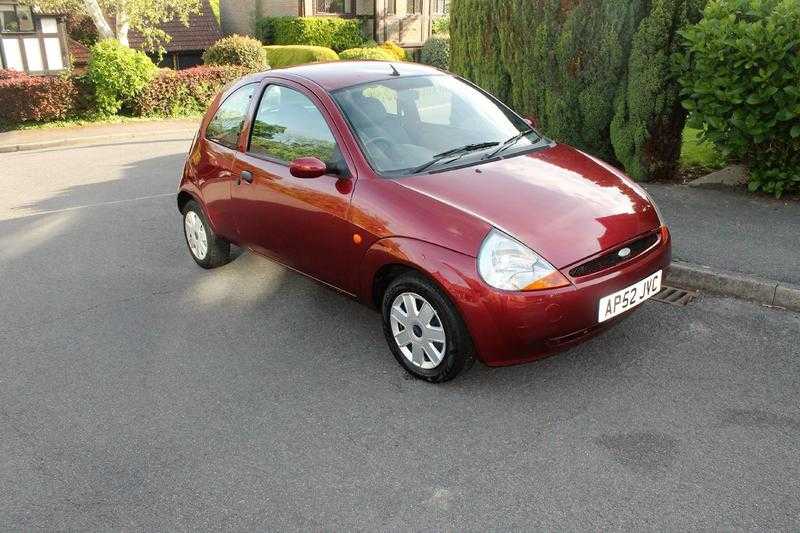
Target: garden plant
pixel 740 74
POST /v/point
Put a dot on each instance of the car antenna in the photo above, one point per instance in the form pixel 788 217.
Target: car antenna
pixel 394 70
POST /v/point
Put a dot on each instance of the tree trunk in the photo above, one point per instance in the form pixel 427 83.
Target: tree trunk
pixel 123 25
pixel 94 11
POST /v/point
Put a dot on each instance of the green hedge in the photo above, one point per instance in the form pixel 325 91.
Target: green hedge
pixel 440 25
pixel 236 50
pixel 331 32
pixel 290 55
pixel 597 75
pixel 376 54
pixel 174 93
pixel 395 49
pixel 25 98
pixel 436 51
pixel 741 82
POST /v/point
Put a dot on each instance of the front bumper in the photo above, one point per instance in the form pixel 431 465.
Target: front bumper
pixel 515 327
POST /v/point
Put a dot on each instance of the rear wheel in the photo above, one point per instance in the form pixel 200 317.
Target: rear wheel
pixel 424 329
pixel 207 249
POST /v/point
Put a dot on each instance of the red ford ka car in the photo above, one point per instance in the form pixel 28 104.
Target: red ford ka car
pixel 418 193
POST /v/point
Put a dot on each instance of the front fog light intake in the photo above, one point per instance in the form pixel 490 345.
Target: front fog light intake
pixel 507 264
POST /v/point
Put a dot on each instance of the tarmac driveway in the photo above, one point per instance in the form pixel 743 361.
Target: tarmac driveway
pixel 139 391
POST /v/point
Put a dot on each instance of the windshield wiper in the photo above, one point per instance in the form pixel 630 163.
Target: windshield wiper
pixel 510 142
pixel 461 150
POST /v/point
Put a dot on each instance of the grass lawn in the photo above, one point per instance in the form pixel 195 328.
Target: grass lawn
pixel 697 154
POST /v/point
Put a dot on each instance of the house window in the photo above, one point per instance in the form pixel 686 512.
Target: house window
pixel 441 7
pixel 16 19
pixel 412 7
pixel 333 7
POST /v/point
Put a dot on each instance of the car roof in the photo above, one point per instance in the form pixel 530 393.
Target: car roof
pixel 339 74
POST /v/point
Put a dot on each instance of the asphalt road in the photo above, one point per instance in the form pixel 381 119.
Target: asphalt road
pixel 140 391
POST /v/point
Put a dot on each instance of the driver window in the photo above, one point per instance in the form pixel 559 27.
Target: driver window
pixel 288 125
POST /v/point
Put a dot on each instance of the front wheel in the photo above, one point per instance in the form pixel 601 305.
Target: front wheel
pixel 424 329
pixel 207 249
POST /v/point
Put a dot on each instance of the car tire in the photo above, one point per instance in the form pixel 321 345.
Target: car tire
pixel 206 248
pixel 446 345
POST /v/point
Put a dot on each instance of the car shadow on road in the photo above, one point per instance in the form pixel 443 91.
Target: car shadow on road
pixel 143 179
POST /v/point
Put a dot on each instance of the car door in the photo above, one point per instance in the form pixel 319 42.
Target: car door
pixel 302 223
pixel 215 158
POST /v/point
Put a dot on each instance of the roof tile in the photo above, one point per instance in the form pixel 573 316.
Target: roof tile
pixel 202 32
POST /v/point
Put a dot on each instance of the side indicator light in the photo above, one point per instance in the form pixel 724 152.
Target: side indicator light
pixel 357 238
pixel 553 280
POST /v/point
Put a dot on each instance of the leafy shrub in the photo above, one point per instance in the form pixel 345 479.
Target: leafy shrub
pixel 10 74
pixel 184 92
pixel 25 98
pixel 699 154
pixel 597 74
pixel 331 32
pixel 436 52
pixel 118 74
pixel 236 50
pixel 440 25
pixel 376 54
pixel 265 29
pixel 290 55
pixel 741 83
pixel 394 49
pixel 648 122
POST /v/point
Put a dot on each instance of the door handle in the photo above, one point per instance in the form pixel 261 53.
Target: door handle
pixel 247 176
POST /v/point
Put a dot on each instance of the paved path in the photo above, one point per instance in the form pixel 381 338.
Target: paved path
pixel 139 391
pixel 12 141
pixel 733 230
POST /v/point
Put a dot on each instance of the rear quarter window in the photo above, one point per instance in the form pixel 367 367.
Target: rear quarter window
pixel 229 119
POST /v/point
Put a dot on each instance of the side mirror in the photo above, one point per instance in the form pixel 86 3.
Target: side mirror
pixel 532 121
pixel 307 168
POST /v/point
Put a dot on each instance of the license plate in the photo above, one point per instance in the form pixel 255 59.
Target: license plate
pixel 629 297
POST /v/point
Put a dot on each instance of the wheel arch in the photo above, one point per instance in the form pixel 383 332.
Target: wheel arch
pixel 454 273
pixel 184 197
pixel 384 277
pixel 391 257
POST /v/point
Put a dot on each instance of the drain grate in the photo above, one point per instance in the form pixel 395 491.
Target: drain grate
pixel 675 296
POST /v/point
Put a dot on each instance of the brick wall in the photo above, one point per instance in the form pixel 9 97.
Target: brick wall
pixel 278 8
pixel 238 16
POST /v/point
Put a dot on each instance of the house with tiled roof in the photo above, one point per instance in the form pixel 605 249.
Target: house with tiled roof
pixel 185 49
pixel 32 41
pixel 406 22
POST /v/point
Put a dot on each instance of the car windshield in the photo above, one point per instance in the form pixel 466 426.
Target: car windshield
pixel 407 125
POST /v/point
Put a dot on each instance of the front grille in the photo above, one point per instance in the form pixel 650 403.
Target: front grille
pixel 612 258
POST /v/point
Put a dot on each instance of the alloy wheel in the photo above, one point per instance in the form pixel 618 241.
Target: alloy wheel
pixel 417 330
pixel 195 235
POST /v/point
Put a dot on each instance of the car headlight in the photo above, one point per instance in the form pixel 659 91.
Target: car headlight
pixel 507 264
